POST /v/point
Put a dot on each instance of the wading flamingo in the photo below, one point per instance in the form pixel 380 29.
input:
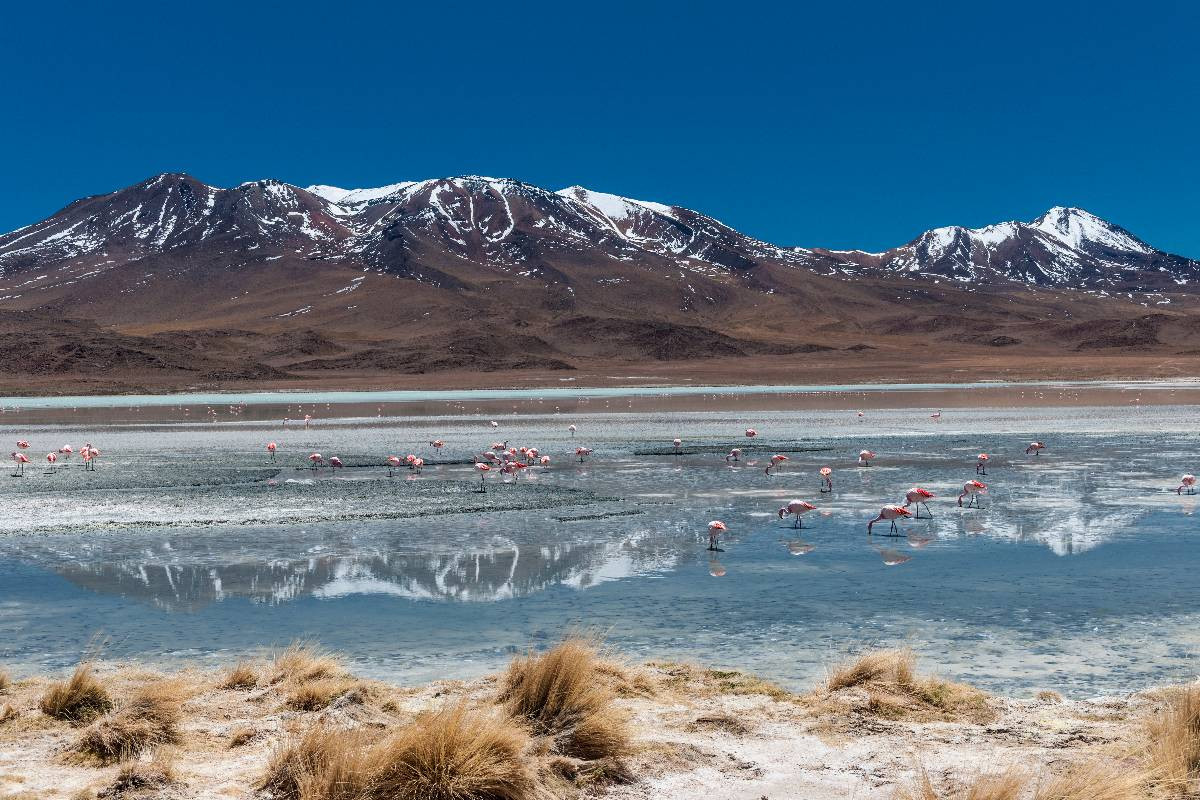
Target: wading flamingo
pixel 307 420
pixel 751 433
pixel 981 465
pixel 678 443
pixel 271 447
pixel 734 455
pixel 572 429
pixel 393 463
pixel 583 452
pixel 972 489
pixel 22 444
pixel 715 529
pixel 335 462
pixel 316 460
pixel 1036 448
pixel 437 445
pixel 418 464
pixel 864 458
pixel 52 460
pixel 919 497
pixel 20 459
pixel 935 416
pixel 776 461
pixel 483 470
pixel 796 508
pixel 1187 482
pixel 889 513
pixel 495 424
pixel 92 455
pixel 826 472
pixel 65 451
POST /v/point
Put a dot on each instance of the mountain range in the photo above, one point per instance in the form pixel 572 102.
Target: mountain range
pixel 175 282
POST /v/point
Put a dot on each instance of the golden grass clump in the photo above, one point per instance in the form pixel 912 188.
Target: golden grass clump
pixel 1003 786
pixel 895 690
pixel 450 755
pixel 704 682
pixel 1096 781
pixel 79 699
pixel 318 694
pixel 8 713
pixel 5 681
pixel 242 736
pixel 241 675
pixel 137 776
pixel 1173 750
pixel 150 719
pixel 304 661
pixel 561 695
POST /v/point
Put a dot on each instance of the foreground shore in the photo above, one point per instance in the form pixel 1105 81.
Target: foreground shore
pixel 573 723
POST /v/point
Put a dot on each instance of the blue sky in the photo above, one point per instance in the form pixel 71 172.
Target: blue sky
pixel 852 124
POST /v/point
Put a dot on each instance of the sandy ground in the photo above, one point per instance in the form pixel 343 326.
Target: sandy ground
pixel 697 732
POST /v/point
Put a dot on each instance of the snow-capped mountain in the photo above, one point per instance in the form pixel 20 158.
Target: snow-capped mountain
pixel 1065 248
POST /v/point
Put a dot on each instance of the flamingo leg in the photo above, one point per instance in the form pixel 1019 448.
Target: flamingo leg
pixel 928 513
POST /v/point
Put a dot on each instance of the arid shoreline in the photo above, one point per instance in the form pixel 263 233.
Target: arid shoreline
pixel 875 728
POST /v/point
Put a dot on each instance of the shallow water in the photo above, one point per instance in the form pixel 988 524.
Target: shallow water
pixel 1078 573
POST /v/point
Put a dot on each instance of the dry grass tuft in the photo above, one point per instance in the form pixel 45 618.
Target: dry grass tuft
pixel 1095 781
pixel 703 682
pixel 724 723
pixel 5 681
pixel 79 699
pixel 241 675
pixel 242 736
pixel 560 694
pixel 304 661
pixel 1173 752
pixel 141 775
pixel 1003 786
pixel 318 694
pixel 1049 696
pixel 625 681
pixel 894 690
pixel 451 755
pixel 8 713
pixel 150 719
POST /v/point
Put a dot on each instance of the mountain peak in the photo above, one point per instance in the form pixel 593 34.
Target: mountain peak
pixel 1078 229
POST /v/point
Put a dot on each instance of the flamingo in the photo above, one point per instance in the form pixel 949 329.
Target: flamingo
pixel 1187 482
pixel 751 433
pixel 316 459
pixel 437 445
pixel 393 463
pixel 417 464
pixel 1036 448
pixel 483 470
pixel 498 446
pixel 65 451
pixel 677 443
pixel 826 472
pixel 21 460
pixel 864 458
pixel 861 414
pixel 715 529
pixel 85 453
pixel 52 459
pixel 972 489
pixel 889 513
pixel 935 416
pixel 307 420
pixel 271 447
pixel 734 455
pixel 495 424
pixel 92 455
pixel 583 452
pixel 919 497
pixel 544 461
pixel 572 429
pixel 22 444
pixel 981 466
pixel 335 462
pixel 776 461
pixel 796 508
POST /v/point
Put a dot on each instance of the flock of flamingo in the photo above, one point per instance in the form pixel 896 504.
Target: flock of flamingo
pixel 87 453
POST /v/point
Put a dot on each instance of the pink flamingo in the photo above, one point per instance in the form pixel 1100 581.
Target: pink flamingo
pixel 861 414
pixel 21 460
pixel 544 461
pixel 495 424
pixel 307 420
pixel 715 529
pixel 417 464
pixel 65 451
pixel 85 453
pixel 677 443
pixel 271 447
pixel 22 444
pixel 796 508
pixel 751 433
pixel 483 471
pixel 972 489
pixel 572 429
pixel 826 472
pixel 919 497
pixel 864 458
pixel 734 455
pixel 1036 448
pixel 498 446
pixel 936 415
pixel 1187 482
pixel 437 445
pixel 890 513
pixel 92 456
pixel 393 463
pixel 583 452
pixel 776 461
pixel 981 466
pixel 316 460
pixel 52 459
pixel 335 462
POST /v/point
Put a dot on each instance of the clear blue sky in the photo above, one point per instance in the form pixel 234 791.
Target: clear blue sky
pixel 841 124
